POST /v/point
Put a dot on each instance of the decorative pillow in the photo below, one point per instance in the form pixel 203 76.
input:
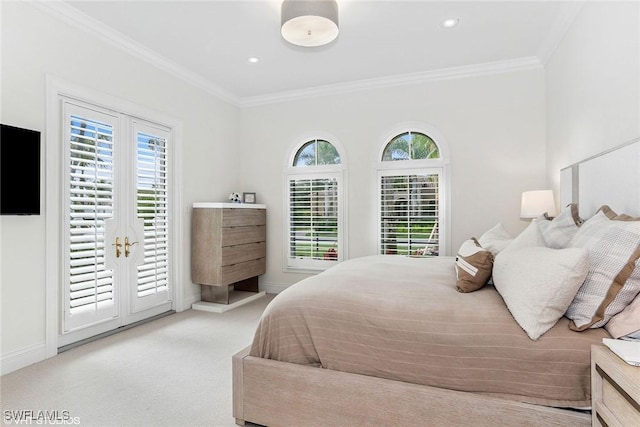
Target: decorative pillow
pixel 537 284
pixel 495 239
pixel 528 238
pixel 559 231
pixel 613 242
pixel 633 336
pixel 473 266
pixel 627 322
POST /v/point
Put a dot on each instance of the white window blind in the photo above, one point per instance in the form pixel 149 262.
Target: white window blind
pixel 409 214
pixel 152 208
pixel 91 202
pixel 313 218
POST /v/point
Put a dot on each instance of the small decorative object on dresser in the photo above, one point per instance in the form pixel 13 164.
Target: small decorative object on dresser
pixel 615 389
pixel 248 197
pixel 235 198
pixel 228 249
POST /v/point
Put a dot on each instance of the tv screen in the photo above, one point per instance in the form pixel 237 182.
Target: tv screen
pixel 19 171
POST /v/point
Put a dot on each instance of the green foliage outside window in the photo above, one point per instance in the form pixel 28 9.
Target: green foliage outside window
pixel 317 152
pixel 411 146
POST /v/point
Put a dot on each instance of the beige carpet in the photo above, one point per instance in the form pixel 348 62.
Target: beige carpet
pixel 173 371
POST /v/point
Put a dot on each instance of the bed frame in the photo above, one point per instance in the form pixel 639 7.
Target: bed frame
pixel 273 393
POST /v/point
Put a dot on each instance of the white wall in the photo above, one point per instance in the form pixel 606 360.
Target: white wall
pixel 593 85
pixel 494 126
pixel 33 45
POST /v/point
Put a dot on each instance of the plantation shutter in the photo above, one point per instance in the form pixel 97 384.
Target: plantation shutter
pixel 90 155
pixel 409 213
pixel 313 219
pixel 152 208
pixel 116 189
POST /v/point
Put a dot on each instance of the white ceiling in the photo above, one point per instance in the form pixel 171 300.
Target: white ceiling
pixel 208 42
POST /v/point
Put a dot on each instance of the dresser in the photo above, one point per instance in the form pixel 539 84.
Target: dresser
pixel 228 248
pixel 615 390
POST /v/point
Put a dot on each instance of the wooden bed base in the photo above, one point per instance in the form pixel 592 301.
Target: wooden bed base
pixel 273 393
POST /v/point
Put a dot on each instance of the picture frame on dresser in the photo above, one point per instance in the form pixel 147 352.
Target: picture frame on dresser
pixel 248 198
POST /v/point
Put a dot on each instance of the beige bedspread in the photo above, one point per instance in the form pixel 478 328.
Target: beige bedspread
pixel 401 318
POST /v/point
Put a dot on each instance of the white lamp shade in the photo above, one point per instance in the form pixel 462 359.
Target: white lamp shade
pixel 309 23
pixel 536 203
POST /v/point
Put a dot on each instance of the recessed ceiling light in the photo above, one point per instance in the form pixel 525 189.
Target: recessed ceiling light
pixel 449 22
pixel 254 59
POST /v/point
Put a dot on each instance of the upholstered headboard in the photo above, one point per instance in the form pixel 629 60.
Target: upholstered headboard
pixel 611 178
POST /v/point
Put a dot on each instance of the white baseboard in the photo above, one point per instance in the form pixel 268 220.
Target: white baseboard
pixel 22 358
pixel 188 302
pixel 273 288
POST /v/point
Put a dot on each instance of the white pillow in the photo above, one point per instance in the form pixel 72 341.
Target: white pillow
pixel 559 231
pixel 528 238
pixel 495 239
pixel 538 284
pixel 613 242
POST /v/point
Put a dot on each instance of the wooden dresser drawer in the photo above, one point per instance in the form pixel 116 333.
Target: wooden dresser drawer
pixel 232 236
pixel 615 390
pixel 242 253
pixel 236 272
pixel 243 216
pixel 617 404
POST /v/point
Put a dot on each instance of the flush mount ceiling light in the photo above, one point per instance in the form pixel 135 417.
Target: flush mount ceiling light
pixel 309 23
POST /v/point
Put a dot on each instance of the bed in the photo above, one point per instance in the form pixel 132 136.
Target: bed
pixel 390 340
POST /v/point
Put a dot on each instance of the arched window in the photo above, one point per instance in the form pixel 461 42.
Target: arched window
pixel 314 223
pixel 411 192
pixel 317 152
pixel 410 146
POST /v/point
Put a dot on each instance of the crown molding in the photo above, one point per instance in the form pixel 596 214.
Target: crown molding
pixel 521 64
pixel 76 18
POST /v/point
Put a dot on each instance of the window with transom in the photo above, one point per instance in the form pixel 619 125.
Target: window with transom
pixel 410 195
pixel 314 222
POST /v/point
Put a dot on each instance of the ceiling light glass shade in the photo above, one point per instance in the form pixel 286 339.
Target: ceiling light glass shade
pixel 309 23
pixel 536 203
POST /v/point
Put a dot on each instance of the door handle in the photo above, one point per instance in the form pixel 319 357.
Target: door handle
pixel 118 245
pixel 127 246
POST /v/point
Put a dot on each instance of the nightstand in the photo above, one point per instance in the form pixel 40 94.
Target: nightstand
pixel 615 390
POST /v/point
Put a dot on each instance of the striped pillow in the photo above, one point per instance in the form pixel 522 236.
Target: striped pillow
pixel 473 266
pixel 613 281
pixel 626 322
pixel 558 232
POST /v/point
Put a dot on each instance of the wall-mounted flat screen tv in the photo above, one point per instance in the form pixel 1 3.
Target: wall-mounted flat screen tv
pixel 19 171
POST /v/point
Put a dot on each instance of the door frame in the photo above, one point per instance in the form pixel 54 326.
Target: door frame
pixel 55 90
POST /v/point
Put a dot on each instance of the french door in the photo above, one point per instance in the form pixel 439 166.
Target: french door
pixel 116 203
